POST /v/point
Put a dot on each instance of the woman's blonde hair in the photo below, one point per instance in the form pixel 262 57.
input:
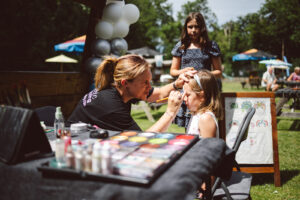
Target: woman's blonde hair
pixel 211 93
pixel 112 70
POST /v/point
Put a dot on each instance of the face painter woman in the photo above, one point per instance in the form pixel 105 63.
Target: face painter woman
pixel 120 82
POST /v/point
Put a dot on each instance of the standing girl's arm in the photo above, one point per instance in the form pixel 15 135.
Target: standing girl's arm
pixel 175 67
pixel 207 126
pixel 216 65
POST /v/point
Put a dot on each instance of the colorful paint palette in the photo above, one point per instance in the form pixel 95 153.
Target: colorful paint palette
pixel 152 152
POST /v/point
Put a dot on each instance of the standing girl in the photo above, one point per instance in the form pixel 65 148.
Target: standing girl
pixel 202 98
pixel 194 51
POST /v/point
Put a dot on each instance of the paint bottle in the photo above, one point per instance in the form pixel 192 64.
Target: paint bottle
pixel 59 124
pixel 106 159
pixel 79 160
pixel 70 158
pixel 96 158
pixel 88 158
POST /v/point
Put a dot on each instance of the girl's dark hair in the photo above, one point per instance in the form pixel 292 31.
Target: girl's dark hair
pixel 203 39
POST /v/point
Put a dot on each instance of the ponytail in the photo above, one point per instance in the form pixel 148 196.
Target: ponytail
pixel 104 74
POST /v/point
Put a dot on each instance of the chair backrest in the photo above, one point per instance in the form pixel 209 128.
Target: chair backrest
pixel 243 129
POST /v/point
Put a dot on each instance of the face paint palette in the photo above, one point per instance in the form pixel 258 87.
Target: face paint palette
pixel 153 153
pixel 138 158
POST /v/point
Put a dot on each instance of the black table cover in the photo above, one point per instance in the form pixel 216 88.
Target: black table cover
pixel 180 181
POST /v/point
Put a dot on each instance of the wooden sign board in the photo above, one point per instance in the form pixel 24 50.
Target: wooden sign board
pixel 259 152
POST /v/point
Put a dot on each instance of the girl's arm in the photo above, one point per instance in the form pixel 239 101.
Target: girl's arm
pixel 207 126
pixel 216 65
pixel 175 67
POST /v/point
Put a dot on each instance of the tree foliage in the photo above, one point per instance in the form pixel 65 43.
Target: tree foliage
pixel 30 30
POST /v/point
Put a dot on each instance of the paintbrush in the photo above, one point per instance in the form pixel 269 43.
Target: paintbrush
pixel 159 100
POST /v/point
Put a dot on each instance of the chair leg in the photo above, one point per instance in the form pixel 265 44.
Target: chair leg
pixel 224 187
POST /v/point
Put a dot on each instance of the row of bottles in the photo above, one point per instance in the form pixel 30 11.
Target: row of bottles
pixel 95 157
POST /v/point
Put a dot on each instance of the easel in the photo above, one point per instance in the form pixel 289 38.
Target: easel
pixel 257 167
pixel 144 106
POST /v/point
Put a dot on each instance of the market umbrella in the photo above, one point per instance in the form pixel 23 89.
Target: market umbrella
pixel 275 63
pixel 74 45
pixel 61 59
pixel 253 54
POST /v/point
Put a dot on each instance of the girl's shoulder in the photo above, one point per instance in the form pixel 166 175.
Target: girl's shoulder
pixel 206 116
pixel 176 51
pixel 213 48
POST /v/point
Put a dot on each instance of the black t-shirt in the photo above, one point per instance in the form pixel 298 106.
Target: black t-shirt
pixel 105 109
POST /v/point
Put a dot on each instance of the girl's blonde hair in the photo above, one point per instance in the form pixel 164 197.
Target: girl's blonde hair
pixel 211 93
pixel 112 70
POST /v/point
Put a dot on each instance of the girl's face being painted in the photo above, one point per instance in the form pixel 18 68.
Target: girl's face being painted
pixel 192 99
pixel 140 86
pixel 193 29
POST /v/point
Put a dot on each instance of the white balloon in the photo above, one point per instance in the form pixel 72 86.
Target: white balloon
pixel 121 29
pixel 104 29
pixel 131 13
pixel 112 12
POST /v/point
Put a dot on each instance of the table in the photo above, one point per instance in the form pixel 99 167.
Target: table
pixel 180 181
pixel 286 94
pixel 290 84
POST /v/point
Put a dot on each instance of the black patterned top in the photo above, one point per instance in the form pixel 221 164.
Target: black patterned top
pixel 197 58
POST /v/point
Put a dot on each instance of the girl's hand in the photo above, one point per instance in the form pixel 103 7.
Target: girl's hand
pixel 184 78
pixel 188 69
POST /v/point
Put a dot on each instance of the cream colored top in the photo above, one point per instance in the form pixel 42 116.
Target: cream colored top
pixel 193 127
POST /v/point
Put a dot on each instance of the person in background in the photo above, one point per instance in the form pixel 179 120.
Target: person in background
pixel 120 82
pixel 269 80
pixel 295 76
pixel 194 52
pixel 202 98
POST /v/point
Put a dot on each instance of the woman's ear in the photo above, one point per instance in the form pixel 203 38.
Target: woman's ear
pixel 123 82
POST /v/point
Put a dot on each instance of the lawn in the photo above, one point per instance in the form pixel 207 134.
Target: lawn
pixel 289 152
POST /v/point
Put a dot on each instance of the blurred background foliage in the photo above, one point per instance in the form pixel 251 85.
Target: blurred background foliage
pixel 30 30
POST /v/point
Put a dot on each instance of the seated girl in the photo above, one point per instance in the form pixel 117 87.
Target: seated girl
pixel 203 100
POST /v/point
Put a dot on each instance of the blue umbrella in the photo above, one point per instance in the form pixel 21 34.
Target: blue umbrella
pixel 252 54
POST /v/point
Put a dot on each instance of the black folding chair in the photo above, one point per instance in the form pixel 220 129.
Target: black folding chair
pixel 238 186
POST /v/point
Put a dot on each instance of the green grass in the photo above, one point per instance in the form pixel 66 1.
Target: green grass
pixel 289 152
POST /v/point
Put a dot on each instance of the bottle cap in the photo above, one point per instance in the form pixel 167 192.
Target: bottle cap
pixel 58 112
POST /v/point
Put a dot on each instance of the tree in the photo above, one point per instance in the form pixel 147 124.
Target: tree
pixel 31 29
pixel 153 14
pixel 198 6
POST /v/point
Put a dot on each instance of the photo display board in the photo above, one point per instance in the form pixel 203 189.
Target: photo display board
pixel 259 152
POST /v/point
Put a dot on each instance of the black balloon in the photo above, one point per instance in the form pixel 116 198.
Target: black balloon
pixel 100 47
pixel 91 64
pixel 119 46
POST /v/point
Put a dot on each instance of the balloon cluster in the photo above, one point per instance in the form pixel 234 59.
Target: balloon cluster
pixel 110 31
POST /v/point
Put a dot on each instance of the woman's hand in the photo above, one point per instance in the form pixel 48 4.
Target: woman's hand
pixel 174 102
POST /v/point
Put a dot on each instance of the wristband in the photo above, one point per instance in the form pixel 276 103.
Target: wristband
pixel 174 86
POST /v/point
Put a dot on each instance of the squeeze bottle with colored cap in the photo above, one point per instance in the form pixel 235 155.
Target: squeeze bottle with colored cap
pixel 59 124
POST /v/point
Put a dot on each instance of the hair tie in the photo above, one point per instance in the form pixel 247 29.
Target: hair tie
pixel 196 77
